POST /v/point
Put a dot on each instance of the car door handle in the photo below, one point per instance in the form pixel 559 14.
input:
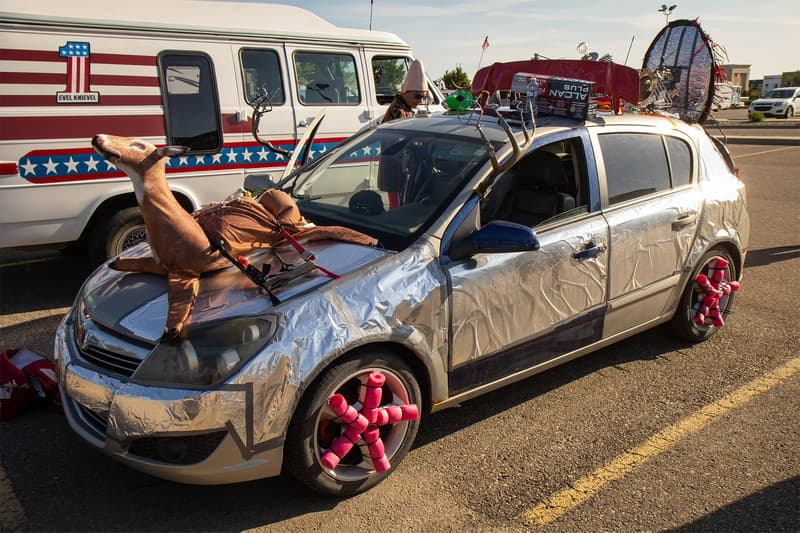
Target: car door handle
pixel 681 221
pixel 590 251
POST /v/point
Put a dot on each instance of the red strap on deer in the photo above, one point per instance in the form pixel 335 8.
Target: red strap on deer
pixel 305 254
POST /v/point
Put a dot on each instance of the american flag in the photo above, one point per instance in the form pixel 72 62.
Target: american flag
pixel 485 44
pixel 77 66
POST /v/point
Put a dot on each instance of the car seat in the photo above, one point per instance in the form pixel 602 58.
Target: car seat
pixel 537 190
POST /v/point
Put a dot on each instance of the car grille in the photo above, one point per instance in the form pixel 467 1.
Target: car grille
pixel 762 107
pixel 115 362
pixel 177 450
pixel 94 422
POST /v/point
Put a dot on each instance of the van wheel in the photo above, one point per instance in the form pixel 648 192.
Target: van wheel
pixel 683 323
pixel 315 427
pixel 115 233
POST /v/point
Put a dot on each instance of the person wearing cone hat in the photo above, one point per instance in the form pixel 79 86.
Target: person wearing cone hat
pixel 413 91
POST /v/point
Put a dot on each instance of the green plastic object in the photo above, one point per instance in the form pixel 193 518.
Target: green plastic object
pixel 460 102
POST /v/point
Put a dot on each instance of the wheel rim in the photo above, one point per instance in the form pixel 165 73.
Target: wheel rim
pixel 357 464
pixel 698 294
pixel 127 238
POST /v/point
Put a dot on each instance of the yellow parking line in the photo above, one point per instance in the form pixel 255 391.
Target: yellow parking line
pixel 567 499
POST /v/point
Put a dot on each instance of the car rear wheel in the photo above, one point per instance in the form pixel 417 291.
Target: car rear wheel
pixel 315 426
pixel 683 323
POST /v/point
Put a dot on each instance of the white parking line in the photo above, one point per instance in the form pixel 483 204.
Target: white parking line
pixel 765 152
pixel 584 488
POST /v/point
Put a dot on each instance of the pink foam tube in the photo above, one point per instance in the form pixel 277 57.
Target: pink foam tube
pixel 347 413
pixel 372 398
pixel 340 447
pixel 397 413
pixel 377 451
pixel 734 285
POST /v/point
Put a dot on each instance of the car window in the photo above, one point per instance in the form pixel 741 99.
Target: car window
pixel 635 163
pixel 713 165
pixel 191 105
pixel 326 79
pixel 261 71
pixel 546 185
pixel 388 73
pixel 390 184
pixel 680 161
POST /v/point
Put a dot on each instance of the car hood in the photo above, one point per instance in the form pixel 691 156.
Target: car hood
pixel 770 101
pixel 135 304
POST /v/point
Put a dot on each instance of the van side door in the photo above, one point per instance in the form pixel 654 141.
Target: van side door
pixel 329 78
pixel 263 77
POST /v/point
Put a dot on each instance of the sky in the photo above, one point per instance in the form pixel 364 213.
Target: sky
pixel 445 34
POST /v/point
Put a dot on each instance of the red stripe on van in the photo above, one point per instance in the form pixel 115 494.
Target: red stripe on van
pixel 15 128
pixel 36 100
pixel 95 79
pixel 8 54
pixel 8 169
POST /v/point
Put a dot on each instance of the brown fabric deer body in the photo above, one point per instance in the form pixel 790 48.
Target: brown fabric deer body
pixel 181 242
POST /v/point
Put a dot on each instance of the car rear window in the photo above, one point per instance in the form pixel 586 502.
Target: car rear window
pixel 680 162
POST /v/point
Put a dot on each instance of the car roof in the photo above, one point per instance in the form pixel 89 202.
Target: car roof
pixel 465 125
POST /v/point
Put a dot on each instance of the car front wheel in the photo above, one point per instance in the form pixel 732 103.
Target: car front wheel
pixel 683 323
pixel 789 112
pixel 315 427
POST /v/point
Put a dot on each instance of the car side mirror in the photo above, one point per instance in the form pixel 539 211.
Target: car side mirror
pixel 498 236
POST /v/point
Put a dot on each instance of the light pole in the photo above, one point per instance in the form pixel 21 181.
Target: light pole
pixel 667 10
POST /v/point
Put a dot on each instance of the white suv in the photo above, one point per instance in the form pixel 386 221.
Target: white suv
pixel 781 102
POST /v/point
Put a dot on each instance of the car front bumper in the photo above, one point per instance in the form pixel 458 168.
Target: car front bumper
pixel 177 434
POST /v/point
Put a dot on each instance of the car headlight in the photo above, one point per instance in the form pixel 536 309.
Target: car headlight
pixel 208 354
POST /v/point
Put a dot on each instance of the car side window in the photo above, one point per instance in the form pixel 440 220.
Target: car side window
pixel 546 185
pixel 635 163
pixel 680 161
pixel 261 70
pixel 326 79
pixel 191 102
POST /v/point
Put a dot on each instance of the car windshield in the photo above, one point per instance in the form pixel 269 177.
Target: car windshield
pixel 390 184
pixel 780 93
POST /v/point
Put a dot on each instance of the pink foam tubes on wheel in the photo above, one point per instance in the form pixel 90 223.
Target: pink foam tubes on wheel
pixel 347 412
pixel 377 452
pixel 340 447
pixel 372 397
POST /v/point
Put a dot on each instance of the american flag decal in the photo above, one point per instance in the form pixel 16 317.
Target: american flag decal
pixel 77 90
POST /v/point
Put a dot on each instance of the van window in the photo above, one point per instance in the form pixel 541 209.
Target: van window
pixel 680 162
pixel 191 104
pixel 326 79
pixel 636 165
pixel 388 73
pixel 262 72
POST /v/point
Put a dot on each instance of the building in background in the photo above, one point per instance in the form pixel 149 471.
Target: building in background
pixel 738 75
pixel 771 81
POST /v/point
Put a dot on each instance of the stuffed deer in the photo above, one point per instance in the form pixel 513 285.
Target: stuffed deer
pixel 181 243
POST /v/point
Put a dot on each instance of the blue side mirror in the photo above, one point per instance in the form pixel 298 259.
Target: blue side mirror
pixel 501 236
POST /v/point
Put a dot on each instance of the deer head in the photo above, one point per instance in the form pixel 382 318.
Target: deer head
pixel 136 157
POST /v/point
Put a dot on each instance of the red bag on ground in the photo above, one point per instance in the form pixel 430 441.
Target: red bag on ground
pixel 26 376
pixel 16 392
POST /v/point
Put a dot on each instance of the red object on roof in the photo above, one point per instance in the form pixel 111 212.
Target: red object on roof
pixel 617 81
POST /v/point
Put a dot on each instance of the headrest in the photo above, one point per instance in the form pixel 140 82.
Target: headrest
pixel 543 169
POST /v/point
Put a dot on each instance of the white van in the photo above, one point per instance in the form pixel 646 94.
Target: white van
pixel 177 72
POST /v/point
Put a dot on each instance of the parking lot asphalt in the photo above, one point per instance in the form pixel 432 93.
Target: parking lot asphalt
pixel 647 435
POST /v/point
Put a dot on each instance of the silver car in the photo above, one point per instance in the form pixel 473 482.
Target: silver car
pixel 504 251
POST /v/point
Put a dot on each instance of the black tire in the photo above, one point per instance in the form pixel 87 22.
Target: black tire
pixel 116 232
pixel 683 324
pixel 789 113
pixel 314 428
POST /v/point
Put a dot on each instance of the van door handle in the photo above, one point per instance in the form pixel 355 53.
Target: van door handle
pixel 590 251
pixel 681 221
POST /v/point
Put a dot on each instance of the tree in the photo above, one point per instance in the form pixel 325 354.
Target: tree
pixel 456 79
pixel 791 79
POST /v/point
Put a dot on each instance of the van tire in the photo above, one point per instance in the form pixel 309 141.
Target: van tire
pixel 116 232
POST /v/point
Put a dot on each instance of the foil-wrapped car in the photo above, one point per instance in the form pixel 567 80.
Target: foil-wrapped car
pixel 503 252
